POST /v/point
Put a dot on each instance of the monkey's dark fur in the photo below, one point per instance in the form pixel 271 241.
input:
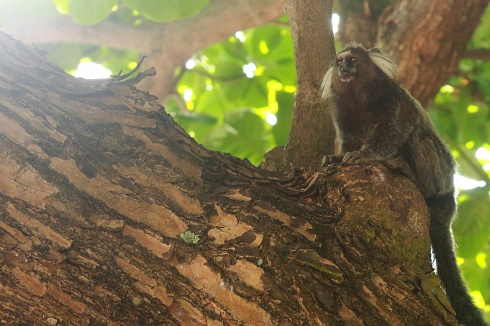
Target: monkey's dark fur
pixel 377 120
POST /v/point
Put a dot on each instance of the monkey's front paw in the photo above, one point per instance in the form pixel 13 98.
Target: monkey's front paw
pixel 331 159
pixel 357 157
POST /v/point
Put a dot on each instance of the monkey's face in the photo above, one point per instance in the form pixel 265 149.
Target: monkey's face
pixel 355 68
pixel 347 66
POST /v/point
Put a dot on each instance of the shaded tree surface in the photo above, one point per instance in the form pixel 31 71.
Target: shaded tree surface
pixel 112 214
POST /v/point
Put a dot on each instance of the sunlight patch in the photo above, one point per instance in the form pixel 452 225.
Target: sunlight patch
pixel 465 183
pixel 249 69
pixel 447 89
pixel 481 259
pixel 190 64
pixel 335 23
pixel 271 119
pixel 240 36
pixel 91 70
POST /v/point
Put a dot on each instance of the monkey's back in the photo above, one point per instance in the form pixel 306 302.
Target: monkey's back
pixel 427 155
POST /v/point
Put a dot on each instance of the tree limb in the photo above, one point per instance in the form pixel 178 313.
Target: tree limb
pixel 111 213
pixel 312 132
pixel 428 39
pixel 167 45
pixel 477 54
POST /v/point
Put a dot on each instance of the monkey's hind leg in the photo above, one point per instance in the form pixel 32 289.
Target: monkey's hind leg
pixel 442 209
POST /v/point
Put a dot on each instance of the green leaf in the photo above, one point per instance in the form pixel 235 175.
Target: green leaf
pixel 481 37
pixel 243 134
pixel 86 12
pixel 167 10
pixel 193 117
pixel 472 229
pixel 190 237
pixel 63 6
pixel 66 55
pixel 115 60
pixel 281 129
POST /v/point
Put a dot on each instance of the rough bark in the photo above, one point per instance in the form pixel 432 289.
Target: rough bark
pixel 312 132
pixel 112 215
pixel 428 38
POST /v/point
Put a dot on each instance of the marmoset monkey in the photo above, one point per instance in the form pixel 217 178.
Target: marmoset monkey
pixel 376 120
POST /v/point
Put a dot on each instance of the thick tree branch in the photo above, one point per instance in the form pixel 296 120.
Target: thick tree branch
pixel 111 213
pixel 166 45
pixel 312 132
pixel 477 54
pixel 62 29
pixel 428 39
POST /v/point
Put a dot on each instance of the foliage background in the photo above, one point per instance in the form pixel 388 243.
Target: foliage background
pixel 226 95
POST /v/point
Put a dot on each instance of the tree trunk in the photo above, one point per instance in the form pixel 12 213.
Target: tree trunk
pixel 112 215
pixel 312 133
pixel 427 38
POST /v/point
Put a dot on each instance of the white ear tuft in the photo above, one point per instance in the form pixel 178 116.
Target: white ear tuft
pixel 383 62
pixel 327 83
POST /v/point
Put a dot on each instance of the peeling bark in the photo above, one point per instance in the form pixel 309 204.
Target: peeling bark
pixel 112 215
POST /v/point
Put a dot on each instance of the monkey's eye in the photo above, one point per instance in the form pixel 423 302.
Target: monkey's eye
pixel 351 60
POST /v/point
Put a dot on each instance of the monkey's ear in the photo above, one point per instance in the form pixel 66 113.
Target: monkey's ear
pixel 327 83
pixel 383 62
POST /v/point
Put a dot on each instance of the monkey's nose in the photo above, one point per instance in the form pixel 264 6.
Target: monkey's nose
pixel 346 75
